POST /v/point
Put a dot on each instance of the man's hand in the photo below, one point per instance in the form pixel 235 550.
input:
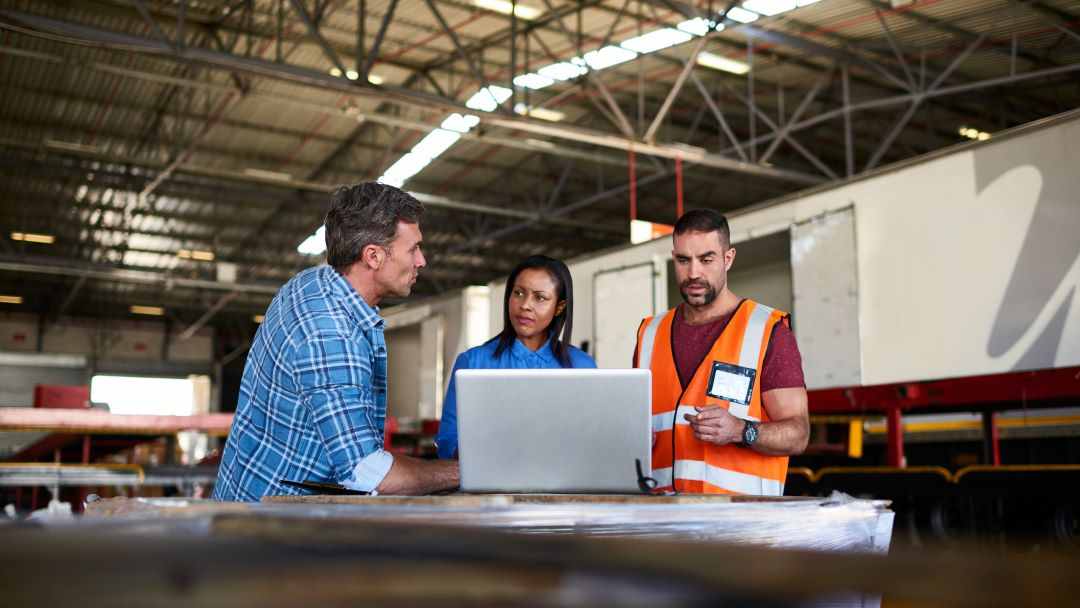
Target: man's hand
pixel 715 425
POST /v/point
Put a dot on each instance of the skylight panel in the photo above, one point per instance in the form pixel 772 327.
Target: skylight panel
pixel 533 81
pixel 699 26
pixel 656 40
pixel 462 123
pixel 740 14
pixel 314 244
pixel 769 7
pixel 435 143
pixel 502 6
pixel 405 167
pixel 564 70
pixel 489 98
pixel 607 57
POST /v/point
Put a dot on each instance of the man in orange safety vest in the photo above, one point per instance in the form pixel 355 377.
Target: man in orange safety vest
pixel 729 400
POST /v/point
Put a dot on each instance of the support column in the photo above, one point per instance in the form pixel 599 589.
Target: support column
pixel 678 188
pixel 991 439
pixel 895 429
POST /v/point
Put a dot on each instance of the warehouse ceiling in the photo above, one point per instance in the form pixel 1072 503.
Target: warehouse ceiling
pixel 175 154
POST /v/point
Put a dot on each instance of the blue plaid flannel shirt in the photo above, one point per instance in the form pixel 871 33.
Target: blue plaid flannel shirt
pixel 312 401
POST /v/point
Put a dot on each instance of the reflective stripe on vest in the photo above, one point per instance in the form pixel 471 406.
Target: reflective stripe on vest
pixel 662 422
pixel 748 355
pixel 732 481
pixel 645 355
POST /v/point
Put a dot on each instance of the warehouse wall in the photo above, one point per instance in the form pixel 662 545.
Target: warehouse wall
pixel 112 340
pixel 423 340
pixel 403 371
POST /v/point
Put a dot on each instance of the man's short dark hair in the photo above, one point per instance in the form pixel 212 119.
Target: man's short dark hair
pixel 365 214
pixel 704 220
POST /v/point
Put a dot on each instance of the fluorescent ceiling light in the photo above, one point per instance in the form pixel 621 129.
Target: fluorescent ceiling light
pixel 336 73
pixel 564 70
pixel 314 244
pixel 607 57
pixel 656 40
pixel 541 113
pixel 195 254
pixel 539 143
pixel 154 311
pixel 462 123
pixel 11 300
pixel 699 26
pixel 67 145
pixel 501 6
pixel 488 98
pixel 737 13
pixel 352 75
pixel 375 79
pixel 30 237
pixel 770 7
pixel 263 173
pixel 533 81
pixel 435 143
pixel 972 133
pixel 719 62
pixel 258 318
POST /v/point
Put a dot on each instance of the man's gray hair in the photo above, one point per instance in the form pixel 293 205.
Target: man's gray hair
pixel 365 214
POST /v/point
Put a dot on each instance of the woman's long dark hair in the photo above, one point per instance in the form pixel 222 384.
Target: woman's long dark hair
pixel 561 323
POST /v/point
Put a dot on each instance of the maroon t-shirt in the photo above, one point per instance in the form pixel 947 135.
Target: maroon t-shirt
pixel 783 362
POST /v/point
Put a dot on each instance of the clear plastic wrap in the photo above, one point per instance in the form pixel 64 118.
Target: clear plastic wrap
pixel 836 523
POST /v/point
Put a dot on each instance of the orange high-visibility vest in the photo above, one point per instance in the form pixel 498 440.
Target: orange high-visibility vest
pixel 680 460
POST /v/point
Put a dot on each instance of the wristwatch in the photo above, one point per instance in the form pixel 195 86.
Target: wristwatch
pixel 750 433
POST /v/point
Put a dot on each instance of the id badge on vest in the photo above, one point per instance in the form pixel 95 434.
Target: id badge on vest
pixel 734 384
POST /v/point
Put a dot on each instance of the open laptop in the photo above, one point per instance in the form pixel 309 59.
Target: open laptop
pixel 554 430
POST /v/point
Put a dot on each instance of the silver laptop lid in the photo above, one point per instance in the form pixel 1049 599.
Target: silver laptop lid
pixel 553 430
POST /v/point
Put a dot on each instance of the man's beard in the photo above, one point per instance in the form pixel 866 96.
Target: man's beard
pixel 709 295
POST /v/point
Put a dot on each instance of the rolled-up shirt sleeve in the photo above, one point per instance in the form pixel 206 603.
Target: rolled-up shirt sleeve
pixel 334 376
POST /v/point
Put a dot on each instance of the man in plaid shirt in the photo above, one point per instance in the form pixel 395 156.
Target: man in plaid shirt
pixel 313 397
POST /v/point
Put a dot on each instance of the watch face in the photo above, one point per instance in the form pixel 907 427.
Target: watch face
pixel 750 434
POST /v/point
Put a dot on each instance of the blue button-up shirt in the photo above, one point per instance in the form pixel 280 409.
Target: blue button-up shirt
pixel 518 356
pixel 312 401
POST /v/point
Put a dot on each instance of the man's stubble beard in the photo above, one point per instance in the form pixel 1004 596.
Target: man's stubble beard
pixel 710 295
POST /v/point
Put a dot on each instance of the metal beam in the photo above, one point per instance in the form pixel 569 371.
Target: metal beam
pixel 942 91
pixel 152 23
pixel 688 66
pixel 310 77
pixel 917 101
pixel 373 54
pixel 288 184
pixel 719 116
pixel 803 105
pixel 559 211
pixel 201 322
pixel 807 154
pixel 313 31
pixel 109 273
pixel 477 73
pixel 896 50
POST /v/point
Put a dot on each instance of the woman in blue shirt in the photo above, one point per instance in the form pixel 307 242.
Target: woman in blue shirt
pixel 538 314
